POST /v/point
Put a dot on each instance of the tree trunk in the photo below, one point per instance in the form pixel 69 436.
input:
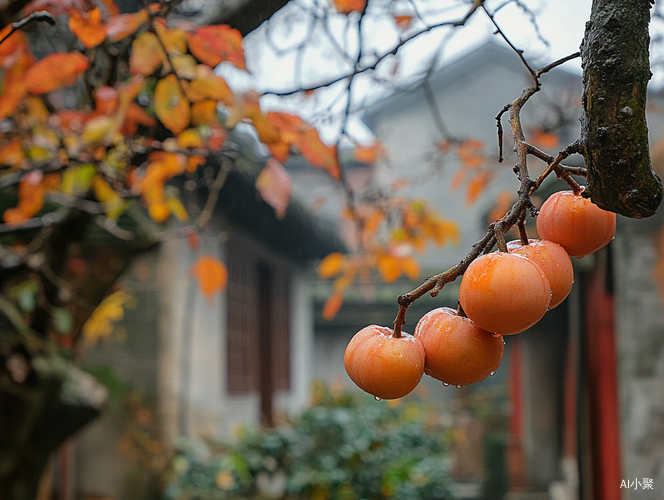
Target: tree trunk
pixel 616 71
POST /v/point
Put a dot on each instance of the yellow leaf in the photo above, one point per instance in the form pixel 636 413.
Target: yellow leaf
pixel 173 39
pixel 113 203
pixel 190 138
pixel 77 180
pixel 146 54
pixel 176 207
pixel 101 322
pixel 170 105
pixel 331 265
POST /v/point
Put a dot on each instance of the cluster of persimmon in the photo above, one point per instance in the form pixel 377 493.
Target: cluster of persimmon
pixel 501 293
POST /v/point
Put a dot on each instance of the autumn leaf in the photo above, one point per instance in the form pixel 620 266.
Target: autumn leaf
pixel 369 154
pixel 87 26
pixel 410 268
pixel 207 85
pixel 101 323
pixel 317 153
pixel 389 267
pixel 403 22
pixel 331 265
pixel 174 39
pixel 11 153
pixel 55 71
pixel 31 191
pixel 204 113
pixel 274 186
pixel 348 6
pixel 471 153
pixel 211 274
pixel 113 203
pixel 332 305
pixel 503 204
pixel 119 27
pixel 146 54
pixel 214 44
pixel 476 185
pixel 135 116
pixel 170 105
pixel 14 83
pixel 545 140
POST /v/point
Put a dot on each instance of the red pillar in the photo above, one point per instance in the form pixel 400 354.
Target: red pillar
pixel 516 461
pixel 601 363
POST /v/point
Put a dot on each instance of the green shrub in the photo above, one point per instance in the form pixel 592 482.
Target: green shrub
pixel 344 447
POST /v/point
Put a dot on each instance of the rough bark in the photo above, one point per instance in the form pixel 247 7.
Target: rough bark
pixel 616 71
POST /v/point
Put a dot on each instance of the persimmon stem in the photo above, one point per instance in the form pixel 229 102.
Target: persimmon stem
pixel 399 321
pixel 460 312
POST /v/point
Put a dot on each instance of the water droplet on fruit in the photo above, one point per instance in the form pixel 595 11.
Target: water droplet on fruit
pixel 493 372
pixel 377 398
pixel 446 384
pixel 459 386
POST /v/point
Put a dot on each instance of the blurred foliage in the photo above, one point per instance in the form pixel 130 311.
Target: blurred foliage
pixel 345 447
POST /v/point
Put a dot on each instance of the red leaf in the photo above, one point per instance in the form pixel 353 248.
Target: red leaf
pixel 214 44
pixel 211 274
pixel 274 186
pixel 55 71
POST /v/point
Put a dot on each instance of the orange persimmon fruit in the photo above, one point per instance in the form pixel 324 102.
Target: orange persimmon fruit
pixel 458 352
pixel 382 365
pixel 554 262
pixel 504 293
pixel 575 223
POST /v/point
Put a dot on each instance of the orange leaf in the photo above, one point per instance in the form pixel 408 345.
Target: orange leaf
pixel 55 71
pixel 331 265
pixel 411 268
pixel 146 54
pixel 476 185
pixel 389 267
pixel 12 153
pixel 317 153
pixel 211 274
pixel 135 116
pixel 204 113
pixel 214 44
pixel 274 186
pixel 332 305
pixel 14 84
pixel 31 192
pixel 87 26
pixel 503 203
pixel 210 86
pixel 366 154
pixel 545 140
pixel 170 105
pixel 280 150
pixel 12 45
pixel 470 153
pixel 119 27
pixel 348 6
pixel 403 22
pixel 458 179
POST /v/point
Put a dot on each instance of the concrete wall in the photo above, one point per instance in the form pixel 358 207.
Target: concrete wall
pixel 640 342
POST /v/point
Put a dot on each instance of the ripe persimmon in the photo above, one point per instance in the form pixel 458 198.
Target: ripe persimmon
pixel 458 352
pixel 554 262
pixel 575 223
pixel 382 365
pixel 504 293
